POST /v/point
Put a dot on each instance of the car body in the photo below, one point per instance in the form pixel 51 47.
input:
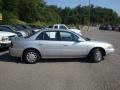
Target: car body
pixel 107 27
pixel 63 26
pixel 30 28
pixel 58 44
pixel 37 27
pixel 9 28
pixel 115 28
pixel 5 38
pixel 18 27
pixel 75 29
pixel 119 27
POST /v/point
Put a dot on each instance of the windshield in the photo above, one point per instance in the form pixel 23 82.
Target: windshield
pixel 16 27
pixel 83 37
pixel 86 38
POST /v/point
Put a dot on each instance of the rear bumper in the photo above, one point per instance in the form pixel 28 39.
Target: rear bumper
pixel 15 52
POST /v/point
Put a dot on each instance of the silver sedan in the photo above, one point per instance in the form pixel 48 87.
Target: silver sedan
pixel 58 44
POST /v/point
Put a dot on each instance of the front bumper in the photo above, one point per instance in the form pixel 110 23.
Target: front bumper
pixel 109 51
pixel 15 52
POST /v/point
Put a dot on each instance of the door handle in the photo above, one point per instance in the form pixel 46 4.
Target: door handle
pixel 65 45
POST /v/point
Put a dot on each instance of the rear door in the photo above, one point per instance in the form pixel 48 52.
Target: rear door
pixel 49 44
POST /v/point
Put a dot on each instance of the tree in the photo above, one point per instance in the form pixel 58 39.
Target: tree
pixel 32 11
pixel 0 5
pixel 29 10
pixel 9 5
pixel 51 16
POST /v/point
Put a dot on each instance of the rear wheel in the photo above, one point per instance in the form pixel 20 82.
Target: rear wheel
pixel 96 55
pixel 31 56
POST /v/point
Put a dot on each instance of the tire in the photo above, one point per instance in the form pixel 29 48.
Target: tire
pixel 31 56
pixel 96 55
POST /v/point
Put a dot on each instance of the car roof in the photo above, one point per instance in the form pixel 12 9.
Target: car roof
pixel 57 30
pixel 49 29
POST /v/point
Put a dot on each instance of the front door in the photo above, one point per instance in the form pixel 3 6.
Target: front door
pixel 70 47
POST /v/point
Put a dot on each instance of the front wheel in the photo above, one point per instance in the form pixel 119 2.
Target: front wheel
pixel 31 56
pixel 96 55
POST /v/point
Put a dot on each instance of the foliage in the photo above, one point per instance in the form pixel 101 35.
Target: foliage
pixel 28 10
pixel 38 23
pixel 50 15
pixel 82 15
pixel 37 12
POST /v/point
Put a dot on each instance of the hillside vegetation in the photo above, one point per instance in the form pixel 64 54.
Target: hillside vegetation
pixel 38 12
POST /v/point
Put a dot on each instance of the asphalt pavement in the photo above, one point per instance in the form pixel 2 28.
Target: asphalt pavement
pixel 67 74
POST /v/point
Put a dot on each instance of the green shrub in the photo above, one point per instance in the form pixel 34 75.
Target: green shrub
pixel 12 21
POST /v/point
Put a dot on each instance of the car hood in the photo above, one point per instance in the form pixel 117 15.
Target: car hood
pixel 76 31
pixel 95 41
pixel 2 33
pixel 21 31
pixel 103 44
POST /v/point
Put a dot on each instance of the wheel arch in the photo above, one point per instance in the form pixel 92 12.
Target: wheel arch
pixel 31 49
pixel 100 48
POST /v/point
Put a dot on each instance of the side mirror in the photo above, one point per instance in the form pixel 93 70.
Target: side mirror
pixel 88 39
pixel 79 40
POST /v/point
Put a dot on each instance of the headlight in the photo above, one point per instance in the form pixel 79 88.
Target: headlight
pixel 5 38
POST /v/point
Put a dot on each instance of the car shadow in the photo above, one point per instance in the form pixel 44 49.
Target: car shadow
pixel 81 60
pixel 3 49
pixel 7 58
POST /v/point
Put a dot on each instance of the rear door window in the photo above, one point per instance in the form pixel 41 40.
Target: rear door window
pixel 48 35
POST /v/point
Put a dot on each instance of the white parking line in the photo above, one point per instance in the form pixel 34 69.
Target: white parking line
pixel 5 52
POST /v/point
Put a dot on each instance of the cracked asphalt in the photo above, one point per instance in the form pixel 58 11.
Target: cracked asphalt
pixel 67 74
